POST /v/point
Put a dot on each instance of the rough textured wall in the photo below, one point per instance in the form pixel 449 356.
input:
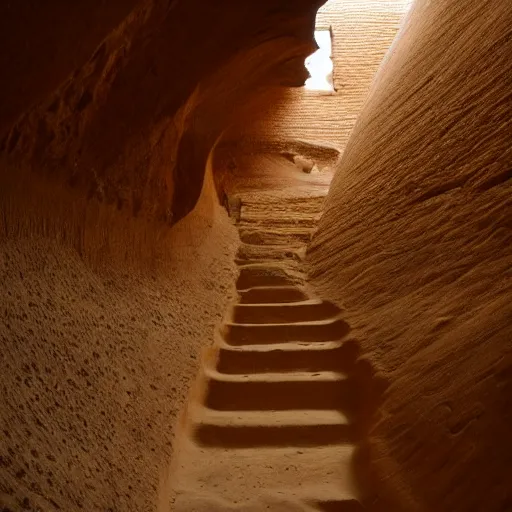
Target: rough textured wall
pixel 96 365
pixel 416 241
pixel 363 30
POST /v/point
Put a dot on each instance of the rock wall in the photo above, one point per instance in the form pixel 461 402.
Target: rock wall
pixel 362 32
pixel 416 242
pixel 96 364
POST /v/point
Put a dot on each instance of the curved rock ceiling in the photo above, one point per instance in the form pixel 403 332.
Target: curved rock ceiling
pixel 111 112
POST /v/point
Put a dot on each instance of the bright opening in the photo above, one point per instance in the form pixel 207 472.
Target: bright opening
pixel 320 64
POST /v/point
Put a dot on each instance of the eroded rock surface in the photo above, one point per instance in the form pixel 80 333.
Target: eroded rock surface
pixel 96 364
pixel 108 117
pixel 416 242
pixel 127 113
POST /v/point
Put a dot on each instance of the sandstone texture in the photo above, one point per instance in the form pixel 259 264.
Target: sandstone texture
pixel 416 242
pixel 126 113
pixel 362 32
pixel 108 114
pixel 127 126
pixel 96 365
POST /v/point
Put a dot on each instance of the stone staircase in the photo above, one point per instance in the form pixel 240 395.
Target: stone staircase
pixel 276 389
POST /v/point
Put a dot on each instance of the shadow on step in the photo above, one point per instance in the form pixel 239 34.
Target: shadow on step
pixel 276 392
pixel 255 253
pixel 371 393
pixel 233 436
pixel 275 236
pixel 331 356
pixel 372 390
pixel 306 311
pixel 247 334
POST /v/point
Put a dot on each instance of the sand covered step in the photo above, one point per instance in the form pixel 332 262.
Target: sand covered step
pixel 271 428
pixel 255 252
pixel 267 274
pixel 335 504
pixel 279 391
pixel 288 357
pixel 320 330
pixel 275 236
pixel 285 219
pixel 290 218
pixel 277 294
pixel 306 311
pixel 291 206
pixel 289 265
pixel 260 203
pixel 266 479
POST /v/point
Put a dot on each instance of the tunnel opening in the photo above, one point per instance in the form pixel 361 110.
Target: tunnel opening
pixel 319 64
pixel 309 126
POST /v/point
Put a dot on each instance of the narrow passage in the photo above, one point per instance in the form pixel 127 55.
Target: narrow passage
pixel 272 422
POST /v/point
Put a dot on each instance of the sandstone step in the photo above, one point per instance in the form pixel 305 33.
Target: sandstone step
pixel 291 219
pixel 301 206
pixel 279 391
pixel 320 330
pixel 309 310
pixel 291 264
pixel 277 294
pixel 273 205
pixel 255 252
pixel 276 236
pixel 267 274
pixel 271 428
pixel 287 357
pixel 288 265
pixel 336 505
